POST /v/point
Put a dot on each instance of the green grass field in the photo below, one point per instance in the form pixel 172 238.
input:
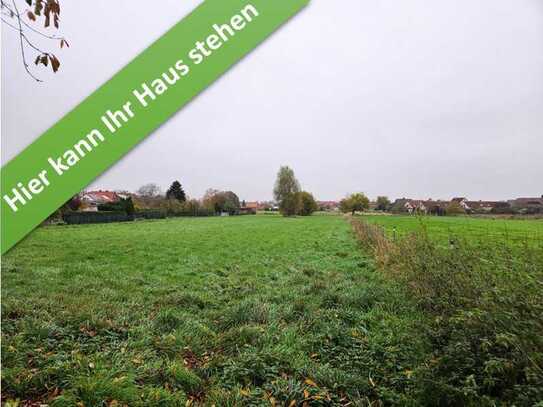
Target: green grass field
pixel 226 311
pixel 266 310
pixel 499 230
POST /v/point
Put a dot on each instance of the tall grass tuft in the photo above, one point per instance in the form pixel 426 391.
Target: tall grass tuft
pixel 484 301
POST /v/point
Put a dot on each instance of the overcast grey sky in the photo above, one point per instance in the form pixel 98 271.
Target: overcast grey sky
pixel 413 98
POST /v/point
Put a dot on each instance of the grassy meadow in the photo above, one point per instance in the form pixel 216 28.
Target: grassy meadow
pixel 225 311
pixel 477 229
pixel 255 310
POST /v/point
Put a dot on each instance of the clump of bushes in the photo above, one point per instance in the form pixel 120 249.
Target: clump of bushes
pixel 485 308
pixel 354 203
pixel 122 205
pixel 288 193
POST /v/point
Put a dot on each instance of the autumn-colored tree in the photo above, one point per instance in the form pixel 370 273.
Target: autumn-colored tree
pixel 221 201
pixel 192 207
pixel 212 200
pixel 75 203
pixel 25 17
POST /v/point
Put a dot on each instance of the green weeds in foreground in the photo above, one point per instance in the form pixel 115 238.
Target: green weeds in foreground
pixel 485 303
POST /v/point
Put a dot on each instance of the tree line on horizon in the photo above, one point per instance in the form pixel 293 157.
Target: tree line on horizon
pixel 291 199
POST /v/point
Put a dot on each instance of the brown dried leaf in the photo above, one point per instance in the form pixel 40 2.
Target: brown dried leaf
pixel 55 63
pixel 31 15
pixel 310 382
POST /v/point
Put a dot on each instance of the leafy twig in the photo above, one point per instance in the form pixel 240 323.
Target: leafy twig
pixel 21 36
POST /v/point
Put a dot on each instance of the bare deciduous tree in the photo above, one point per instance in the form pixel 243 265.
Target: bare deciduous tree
pixel 150 190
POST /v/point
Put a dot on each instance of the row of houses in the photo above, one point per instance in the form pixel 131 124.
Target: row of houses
pixel 92 199
pixel 259 206
pixel 439 207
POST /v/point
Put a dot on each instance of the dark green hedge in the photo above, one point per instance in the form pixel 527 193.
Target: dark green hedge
pixel 81 218
pixel 149 214
pixel 194 213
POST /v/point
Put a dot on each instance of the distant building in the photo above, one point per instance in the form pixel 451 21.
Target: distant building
pixel 253 205
pixel 405 205
pixel 436 207
pixel 331 206
pixel 482 206
pixel 463 202
pixel 250 208
pixel 479 206
pixel 92 199
pixel 527 203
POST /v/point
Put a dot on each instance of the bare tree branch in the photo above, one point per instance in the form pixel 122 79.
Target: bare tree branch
pixel 50 37
pixel 23 29
pixel 33 46
pixel 21 36
pixel 9 25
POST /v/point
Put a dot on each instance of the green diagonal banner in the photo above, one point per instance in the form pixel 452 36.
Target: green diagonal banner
pixel 137 100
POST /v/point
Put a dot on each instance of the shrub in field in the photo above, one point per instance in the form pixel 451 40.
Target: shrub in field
pixel 123 205
pixel 306 204
pixel 486 306
pixel 289 205
pixel 285 191
pixel 221 201
pixel 454 208
pixel 354 202
pixel 383 203
pixel 172 207
pixel 192 206
pixel 175 208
